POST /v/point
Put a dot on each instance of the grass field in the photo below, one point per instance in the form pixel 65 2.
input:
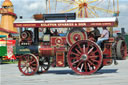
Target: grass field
pixel 9 62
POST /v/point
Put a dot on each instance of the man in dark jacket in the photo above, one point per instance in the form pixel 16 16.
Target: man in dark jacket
pixel 96 33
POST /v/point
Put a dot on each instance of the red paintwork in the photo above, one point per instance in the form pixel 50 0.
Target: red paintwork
pixel 28 64
pixel 65 24
pixel 108 53
pixel 88 65
pixel 60 59
pixel 47 51
pixel 55 41
pixel 55 48
pixel 79 37
pixel 84 56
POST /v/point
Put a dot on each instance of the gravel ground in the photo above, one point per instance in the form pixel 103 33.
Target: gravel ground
pixel 109 75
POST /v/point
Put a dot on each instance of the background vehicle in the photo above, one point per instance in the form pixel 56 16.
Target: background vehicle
pixel 3 48
pixel 6 49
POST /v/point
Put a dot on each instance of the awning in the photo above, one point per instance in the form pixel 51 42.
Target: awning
pixel 86 22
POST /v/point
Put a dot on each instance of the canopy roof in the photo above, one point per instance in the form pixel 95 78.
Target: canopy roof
pixel 82 22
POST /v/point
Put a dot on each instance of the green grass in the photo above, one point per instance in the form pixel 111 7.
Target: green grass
pixel 9 62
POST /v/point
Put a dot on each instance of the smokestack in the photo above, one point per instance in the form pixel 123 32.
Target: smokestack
pixel 36 36
pixel 123 31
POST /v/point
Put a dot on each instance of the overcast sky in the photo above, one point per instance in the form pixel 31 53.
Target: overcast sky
pixel 27 8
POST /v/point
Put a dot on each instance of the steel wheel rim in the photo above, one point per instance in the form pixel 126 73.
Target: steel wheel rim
pixel 28 64
pixel 85 65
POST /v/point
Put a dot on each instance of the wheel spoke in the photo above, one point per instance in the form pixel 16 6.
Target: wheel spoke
pixel 87 47
pixel 25 62
pixel 25 58
pixel 44 65
pixel 93 53
pixel 94 60
pixel 81 67
pixel 44 68
pixel 41 68
pixel 84 51
pixel 73 58
pixel 75 62
pixel 75 54
pixel 32 69
pixel 79 47
pixel 23 66
pixel 85 66
pixel 91 63
pixel 28 70
pixel 93 57
pixel 78 51
pixel 90 50
pixel 25 70
pixel 79 63
pixel 89 66
pixel 33 61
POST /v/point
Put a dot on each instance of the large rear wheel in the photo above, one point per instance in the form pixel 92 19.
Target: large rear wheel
pixel 85 57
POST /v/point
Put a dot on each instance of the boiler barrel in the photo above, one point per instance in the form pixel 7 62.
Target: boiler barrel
pixel 47 51
pixel 33 49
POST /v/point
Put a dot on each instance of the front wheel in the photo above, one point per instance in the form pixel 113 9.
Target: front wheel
pixel 85 57
pixel 44 64
pixel 28 64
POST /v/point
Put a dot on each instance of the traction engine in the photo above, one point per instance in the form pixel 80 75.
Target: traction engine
pixel 78 49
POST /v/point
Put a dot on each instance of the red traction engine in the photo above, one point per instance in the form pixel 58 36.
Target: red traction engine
pixel 77 49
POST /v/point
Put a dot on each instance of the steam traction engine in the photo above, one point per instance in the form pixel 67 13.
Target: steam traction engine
pixel 78 49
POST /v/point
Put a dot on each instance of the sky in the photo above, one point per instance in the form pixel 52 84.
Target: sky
pixel 27 8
